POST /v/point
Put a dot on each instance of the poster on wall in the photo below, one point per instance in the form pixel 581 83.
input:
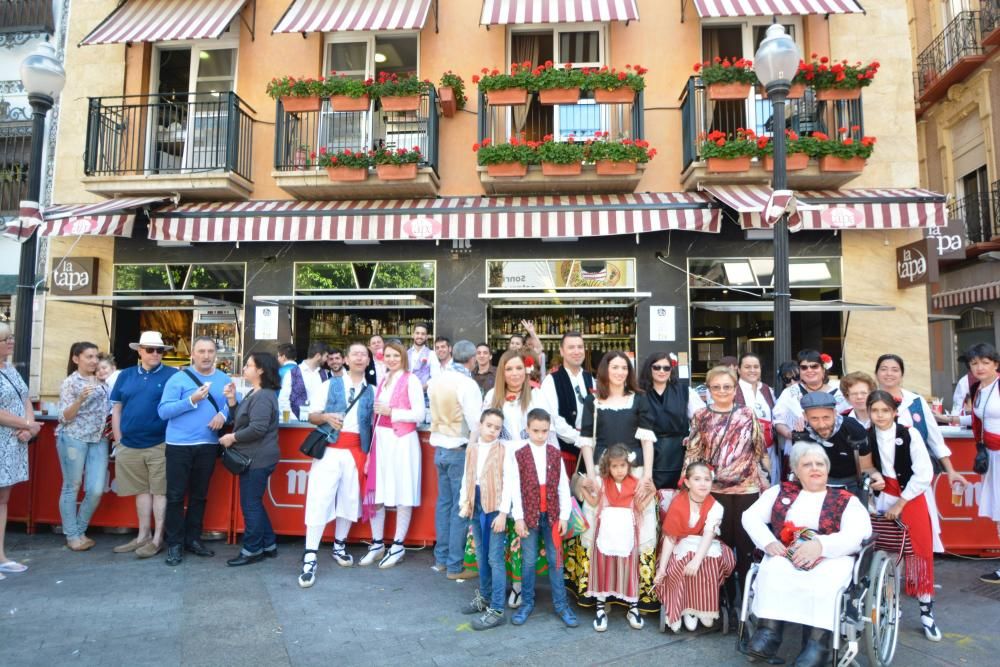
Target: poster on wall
pixel 266 323
pixel 661 323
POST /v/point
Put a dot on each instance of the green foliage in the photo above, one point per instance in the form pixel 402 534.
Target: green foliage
pixel 517 150
pixel 328 275
pixel 398 156
pixel 344 158
pixel 718 144
pixel 622 150
pixel 394 85
pixel 722 70
pixel 290 86
pixel 560 152
pixel 451 80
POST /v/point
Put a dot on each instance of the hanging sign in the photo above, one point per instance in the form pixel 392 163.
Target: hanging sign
pixel 916 264
pixel 74 276
pixel 266 323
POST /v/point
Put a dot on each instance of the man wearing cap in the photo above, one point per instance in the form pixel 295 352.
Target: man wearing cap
pixel 140 462
pixel 844 440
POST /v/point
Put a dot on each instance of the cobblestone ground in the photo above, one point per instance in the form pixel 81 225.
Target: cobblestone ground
pixel 102 608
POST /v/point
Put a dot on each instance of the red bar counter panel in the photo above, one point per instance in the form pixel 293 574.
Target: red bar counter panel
pixel 963 531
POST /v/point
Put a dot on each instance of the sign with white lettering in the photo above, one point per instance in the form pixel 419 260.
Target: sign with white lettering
pixel 916 264
pixel 949 242
pixel 74 276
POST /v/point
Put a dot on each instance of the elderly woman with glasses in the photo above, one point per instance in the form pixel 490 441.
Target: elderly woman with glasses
pixel 729 437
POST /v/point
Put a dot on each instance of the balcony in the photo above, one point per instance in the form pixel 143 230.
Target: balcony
pixel 804 116
pixel 582 120
pixel 952 56
pixel 196 145
pixel 299 136
pixel 989 18
pixel 15 153
pixel 25 17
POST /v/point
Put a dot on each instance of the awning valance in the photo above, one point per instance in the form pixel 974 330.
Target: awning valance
pixel 344 15
pixel 967 295
pixel 165 20
pixel 737 8
pixel 113 217
pixel 431 219
pixel 520 12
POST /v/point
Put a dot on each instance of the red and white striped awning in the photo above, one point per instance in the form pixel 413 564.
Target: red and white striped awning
pixel 113 217
pixel 344 15
pixel 884 208
pixel 733 8
pixel 967 295
pixel 519 12
pixel 165 20
pixel 431 219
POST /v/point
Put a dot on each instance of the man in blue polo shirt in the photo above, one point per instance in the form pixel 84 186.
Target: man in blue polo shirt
pixel 140 462
pixel 196 409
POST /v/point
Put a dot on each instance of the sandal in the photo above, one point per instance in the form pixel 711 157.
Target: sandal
pixel 308 576
pixel 600 618
pixel 634 619
pixel 13 567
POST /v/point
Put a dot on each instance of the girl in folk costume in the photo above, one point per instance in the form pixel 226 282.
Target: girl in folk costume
pixel 903 474
pixel 693 563
pixel 394 460
pixel 614 554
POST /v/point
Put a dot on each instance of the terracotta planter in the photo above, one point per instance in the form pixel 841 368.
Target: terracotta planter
pixel 612 168
pixel 301 158
pixel 397 172
pixel 797 91
pixel 301 104
pixel 347 103
pixel 559 95
pixel 836 94
pixel 728 91
pixel 719 165
pixel 793 162
pixel 507 170
pixel 449 105
pixel 507 97
pixel 838 164
pixel 400 103
pixel 345 174
pixel 623 95
pixel 553 169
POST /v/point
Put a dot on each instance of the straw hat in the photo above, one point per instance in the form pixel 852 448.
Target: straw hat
pixel 150 339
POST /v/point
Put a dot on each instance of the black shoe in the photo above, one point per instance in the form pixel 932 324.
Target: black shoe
pixel 198 549
pixel 273 553
pixel 243 559
pixel 766 639
pixel 816 649
pixel 175 555
pixel 991 578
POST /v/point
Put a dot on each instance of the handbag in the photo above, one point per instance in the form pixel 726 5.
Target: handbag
pixel 235 462
pixel 577 524
pixel 982 461
pixel 315 443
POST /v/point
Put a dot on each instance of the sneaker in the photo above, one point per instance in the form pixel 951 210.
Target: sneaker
pixel 991 578
pixel 478 605
pixel 462 575
pixel 514 599
pixel 439 567
pixel 690 622
pixel 520 616
pixel 490 618
pixel 568 616
pixel 340 554
pixel 308 576
pixel 635 618
pixel 392 556
pixel 373 555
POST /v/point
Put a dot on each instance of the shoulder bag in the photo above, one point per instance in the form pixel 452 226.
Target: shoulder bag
pixel 315 443
pixel 235 461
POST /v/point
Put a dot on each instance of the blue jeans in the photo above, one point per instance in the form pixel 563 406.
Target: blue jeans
pixel 529 554
pixel 449 528
pixel 258 535
pixel 86 463
pixel 492 564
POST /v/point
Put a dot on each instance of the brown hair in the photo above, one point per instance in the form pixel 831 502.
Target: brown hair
pixel 615 452
pixel 500 384
pixel 398 347
pixel 857 377
pixel 75 350
pixel 602 382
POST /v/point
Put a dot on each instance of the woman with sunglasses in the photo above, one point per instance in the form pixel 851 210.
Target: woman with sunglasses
pixel 671 403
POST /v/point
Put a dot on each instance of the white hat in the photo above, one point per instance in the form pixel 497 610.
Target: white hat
pixel 150 339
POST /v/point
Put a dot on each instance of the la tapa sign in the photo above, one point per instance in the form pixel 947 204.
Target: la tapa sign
pixel 74 276
pixel 916 264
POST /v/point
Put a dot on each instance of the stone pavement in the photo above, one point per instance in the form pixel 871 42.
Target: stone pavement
pixel 100 608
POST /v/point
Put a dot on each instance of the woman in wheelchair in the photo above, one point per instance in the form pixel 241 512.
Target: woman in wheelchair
pixel 808 534
pixel 903 475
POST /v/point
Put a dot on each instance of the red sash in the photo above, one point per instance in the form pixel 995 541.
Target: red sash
pixel 352 443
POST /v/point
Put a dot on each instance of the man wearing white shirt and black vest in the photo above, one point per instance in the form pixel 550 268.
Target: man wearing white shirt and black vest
pixel 567 388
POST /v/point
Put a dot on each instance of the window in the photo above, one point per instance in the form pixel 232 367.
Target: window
pixel 220 277
pixel 320 276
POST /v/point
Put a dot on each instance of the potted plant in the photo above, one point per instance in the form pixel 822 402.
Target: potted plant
pixel 506 89
pixel 611 86
pixel 558 85
pixel 843 153
pixel 296 95
pixel 507 160
pixel 301 157
pixel 839 80
pixel 347 93
pixel 796 157
pixel 726 154
pixel 451 93
pixel 560 158
pixel 345 165
pixel 396 165
pixel 727 80
pixel 399 93
pixel 617 158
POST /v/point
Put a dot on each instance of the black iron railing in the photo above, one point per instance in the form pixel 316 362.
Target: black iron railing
pixel 995 208
pixel 978 214
pixel 959 39
pixel 174 133
pixel 989 16
pixel 15 155
pixel 300 136
pixel 26 16
pixel 804 116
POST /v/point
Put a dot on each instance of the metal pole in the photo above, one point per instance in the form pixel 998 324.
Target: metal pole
pixel 782 294
pixel 40 105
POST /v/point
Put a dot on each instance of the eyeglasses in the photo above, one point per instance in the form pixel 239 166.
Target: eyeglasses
pixel 8 339
pixel 810 367
pixel 721 387
pixel 152 350
pixel 658 367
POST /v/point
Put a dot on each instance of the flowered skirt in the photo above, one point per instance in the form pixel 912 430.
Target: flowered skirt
pixel 513 554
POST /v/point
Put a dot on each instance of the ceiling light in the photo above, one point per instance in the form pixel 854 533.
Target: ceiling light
pixel 380 58
pixel 205 55
pixel 707 333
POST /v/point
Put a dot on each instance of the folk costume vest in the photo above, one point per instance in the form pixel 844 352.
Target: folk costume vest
pixel 569 402
pixel 902 462
pixel 830 514
pixel 532 499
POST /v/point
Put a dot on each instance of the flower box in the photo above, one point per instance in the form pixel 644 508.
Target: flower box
pixel 449 105
pixel 793 162
pixel 348 103
pixel 507 170
pixel 554 169
pixel 397 172
pixel 719 165
pixel 796 92
pixel 612 168
pixel 347 174
pixel 559 95
pixel 837 94
pixel 623 95
pixel 301 104
pixel 729 91
pixel 507 97
pixel 830 163
pixel 400 103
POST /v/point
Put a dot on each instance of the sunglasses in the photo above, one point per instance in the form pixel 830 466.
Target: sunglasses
pixel 810 367
pixel 658 367
pixel 721 387
pixel 152 350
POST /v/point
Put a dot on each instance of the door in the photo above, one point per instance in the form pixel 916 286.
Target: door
pixel 585 48
pixel 339 131
pixel 975 200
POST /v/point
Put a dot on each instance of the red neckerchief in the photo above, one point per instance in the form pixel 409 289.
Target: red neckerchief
pixel 677 521
pixel 623 498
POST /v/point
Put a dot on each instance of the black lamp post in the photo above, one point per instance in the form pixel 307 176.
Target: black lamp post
pixel 776 63
pixel 43 78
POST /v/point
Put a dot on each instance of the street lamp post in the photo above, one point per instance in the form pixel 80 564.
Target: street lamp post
pixel 776 63
pixel 43 79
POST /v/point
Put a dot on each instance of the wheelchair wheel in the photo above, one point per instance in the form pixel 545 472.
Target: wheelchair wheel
pixel 881 604
pixel 663 618
pixel 724 619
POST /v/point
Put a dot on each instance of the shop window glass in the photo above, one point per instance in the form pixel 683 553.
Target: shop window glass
pixel 139 277
pixel 178 277
pixel 329 275
pixel 404 275
pixel 759 272
pixel 208 276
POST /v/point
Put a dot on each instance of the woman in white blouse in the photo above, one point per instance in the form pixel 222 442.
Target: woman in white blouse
pixel 760 398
